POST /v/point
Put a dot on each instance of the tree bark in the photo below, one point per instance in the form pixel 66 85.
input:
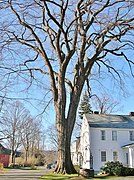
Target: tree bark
pixel 61 148
pixel 60 104
pixel 65 127
pixel 64 163
pixel 68 165
pixel 13 157
pixel 26 158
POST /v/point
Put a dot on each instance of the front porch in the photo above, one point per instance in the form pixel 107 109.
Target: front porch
pixel 128 151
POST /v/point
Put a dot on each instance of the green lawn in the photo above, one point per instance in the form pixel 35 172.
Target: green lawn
pixel 53 176
pixel 59 176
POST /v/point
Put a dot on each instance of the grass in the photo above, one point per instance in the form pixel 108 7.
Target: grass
pixel 52 176
pixel 3 170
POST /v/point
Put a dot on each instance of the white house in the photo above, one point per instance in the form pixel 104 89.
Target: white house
pixel 75 152
pixel 106 138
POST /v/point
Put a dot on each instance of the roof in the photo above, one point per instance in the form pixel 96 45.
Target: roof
pixel 4 150
pixel 128 145
pixel 110 121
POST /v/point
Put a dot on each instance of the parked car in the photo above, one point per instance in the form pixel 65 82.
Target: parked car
pixel 49 166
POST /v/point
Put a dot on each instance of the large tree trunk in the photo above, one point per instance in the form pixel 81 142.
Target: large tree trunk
pixel 60 104
pixel 61 148
pixel 13 149
pixel 64 163
pixel 68 165
pixel 13 157
pixel 65 128
pixel 26 155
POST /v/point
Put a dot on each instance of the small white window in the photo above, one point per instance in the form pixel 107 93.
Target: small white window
pixel 131 133
pixel 103 135
pixel 114 135
pixel 103 156
pixel 115 156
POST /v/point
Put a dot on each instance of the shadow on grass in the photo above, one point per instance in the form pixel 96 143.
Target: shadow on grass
pixel 103 177
pixel 72 177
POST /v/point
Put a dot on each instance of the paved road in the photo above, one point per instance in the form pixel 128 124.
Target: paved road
pixel 18 174
pixel 123 178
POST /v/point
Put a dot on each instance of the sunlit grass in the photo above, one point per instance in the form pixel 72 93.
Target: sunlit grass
pixel 52 176
pixel 4 170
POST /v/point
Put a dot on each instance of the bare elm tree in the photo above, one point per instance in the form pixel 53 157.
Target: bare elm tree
pixel 63 40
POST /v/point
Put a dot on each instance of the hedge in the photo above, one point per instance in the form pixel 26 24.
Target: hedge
pixel 117 169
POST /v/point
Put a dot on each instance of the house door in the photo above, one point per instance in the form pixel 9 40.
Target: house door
pixel 127 162
pixel 91 161
pixel 80 160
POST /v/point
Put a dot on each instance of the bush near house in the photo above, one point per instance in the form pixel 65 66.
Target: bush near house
pixel 117 169
pixel 77 167
pixel 1 166
pixel 112 168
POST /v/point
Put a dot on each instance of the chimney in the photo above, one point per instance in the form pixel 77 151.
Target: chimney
pixel 131 113
pixel 96 112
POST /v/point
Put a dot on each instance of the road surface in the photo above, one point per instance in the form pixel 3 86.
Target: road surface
pixel 19 174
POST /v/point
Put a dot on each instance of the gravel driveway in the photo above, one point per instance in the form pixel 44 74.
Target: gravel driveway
pixel 18 174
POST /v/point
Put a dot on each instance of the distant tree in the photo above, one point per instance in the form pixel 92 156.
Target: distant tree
pixel 85 107
pixel 20 130
pixel 12 117
pixel 36 137
pixel 27 136
pixel 30 137
pixel 52 136
pixel 106 104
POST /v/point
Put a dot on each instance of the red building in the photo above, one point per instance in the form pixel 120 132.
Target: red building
pixel 4 156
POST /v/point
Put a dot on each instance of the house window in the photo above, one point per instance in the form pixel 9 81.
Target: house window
pixel 115 156
pixel 103 135
pixel 114 135
pixel 103 156
pixel 131 133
